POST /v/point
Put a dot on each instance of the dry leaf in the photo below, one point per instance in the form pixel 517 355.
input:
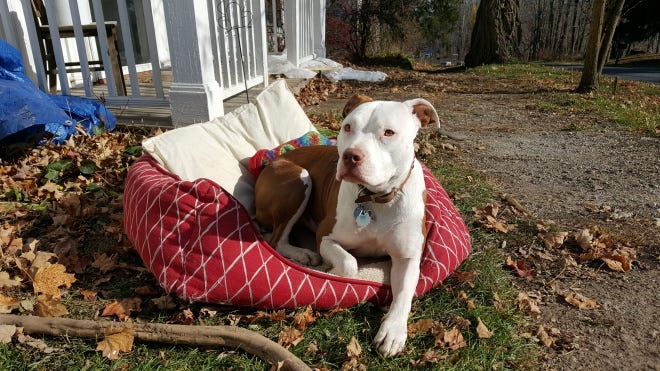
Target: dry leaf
pixel 38 344
pixel 7 282
pixel 164 302
pixel 50 306
pixel 185 317
pixel 278 316
pixel 290 336
pixel 580 301
pixel 353 349
pixel 544 338
pixel 469 303
pixel 41 259
pixel 554 240
pixel 454 339
pixel 497 302
pixel 312 349
pixel 487 217
pixel 431 356
pixel 47 280
pixel 7 332
pixel 528 305
pixel 466 277
pixel 7 303
pixel 482 331
pixel 115 309
pixel 115 343
pixel 104 263
pixel 421 326
pixel 520 267
pixel 304 318
pixel 584 238
pixel 88 295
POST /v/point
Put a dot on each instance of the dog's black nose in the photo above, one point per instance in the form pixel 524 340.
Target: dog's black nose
pixel 352 157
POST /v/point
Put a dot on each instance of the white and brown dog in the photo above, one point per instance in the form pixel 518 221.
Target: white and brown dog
pixel 364 198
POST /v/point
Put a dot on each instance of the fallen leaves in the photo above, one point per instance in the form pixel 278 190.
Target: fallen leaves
pixel 50 306
pixel 290 336
pixel 598 245
pixel 116 342
pixel 482 331
pixel 580 301
pixel 354 353
pixel 487 218
pixel 527 305
pixel 48 280
pixel 520 267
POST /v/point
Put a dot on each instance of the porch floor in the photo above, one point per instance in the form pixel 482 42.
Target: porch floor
pixel 143 116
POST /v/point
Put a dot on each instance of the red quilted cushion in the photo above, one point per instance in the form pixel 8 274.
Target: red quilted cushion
pixel 201 244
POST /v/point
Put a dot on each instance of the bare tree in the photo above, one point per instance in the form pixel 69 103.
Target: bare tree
pixel 589 80
pixel 497 33
pixel 611 21
pixel 604 20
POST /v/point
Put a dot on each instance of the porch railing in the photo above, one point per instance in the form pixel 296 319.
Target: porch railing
pixel 214 48
pixel 304 30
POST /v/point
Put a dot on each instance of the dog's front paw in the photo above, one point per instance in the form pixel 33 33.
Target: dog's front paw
pixel 299 255
pixel 391 337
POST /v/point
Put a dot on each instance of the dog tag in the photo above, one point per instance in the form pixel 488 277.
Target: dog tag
pixel 363 216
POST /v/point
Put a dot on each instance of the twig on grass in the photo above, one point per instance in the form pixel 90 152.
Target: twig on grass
pixel 204 336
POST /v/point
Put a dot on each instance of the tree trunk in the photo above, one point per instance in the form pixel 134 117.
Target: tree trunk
pixel 612 20
pixel 497 33
pixel 574 29
pixel 589 80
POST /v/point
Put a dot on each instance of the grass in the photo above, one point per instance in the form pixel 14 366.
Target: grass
pixel 331 334
pixel 635 106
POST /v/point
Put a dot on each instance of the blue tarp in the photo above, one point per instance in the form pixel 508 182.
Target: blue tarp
pixel 26 111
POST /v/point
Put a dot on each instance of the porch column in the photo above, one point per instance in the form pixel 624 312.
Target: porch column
pixel 319 28
pixel 292 30
pixel 195 95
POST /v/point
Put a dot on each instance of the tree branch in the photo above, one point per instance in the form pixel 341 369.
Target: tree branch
pixel 204 336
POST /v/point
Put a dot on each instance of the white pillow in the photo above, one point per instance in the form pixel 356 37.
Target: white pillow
pixel 220 149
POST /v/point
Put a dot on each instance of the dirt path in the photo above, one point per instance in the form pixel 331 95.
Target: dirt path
pixel 578 179
pixel 578 171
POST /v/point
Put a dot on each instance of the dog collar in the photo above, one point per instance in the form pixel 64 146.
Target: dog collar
pixel 366 195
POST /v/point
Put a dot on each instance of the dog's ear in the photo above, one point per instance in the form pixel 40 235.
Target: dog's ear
pixel 424 111
pixel 355 101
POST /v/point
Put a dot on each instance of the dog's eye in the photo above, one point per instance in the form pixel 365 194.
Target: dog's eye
pixel 389 133
pixel 347 127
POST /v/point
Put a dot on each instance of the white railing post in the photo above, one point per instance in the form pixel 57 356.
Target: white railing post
pixel 195 95
pixel 319 28
pixel 292 31
pixel 261 44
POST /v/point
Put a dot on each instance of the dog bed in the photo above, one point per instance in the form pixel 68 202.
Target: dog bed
pixel 188 210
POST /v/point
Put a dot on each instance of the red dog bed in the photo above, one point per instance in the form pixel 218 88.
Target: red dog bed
pixel 202 245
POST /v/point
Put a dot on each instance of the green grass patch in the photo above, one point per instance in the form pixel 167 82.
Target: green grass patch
pixel 329 335
pixel 631 105
pixel 533 72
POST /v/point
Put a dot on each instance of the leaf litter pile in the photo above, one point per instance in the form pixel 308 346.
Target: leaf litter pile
pixel 61 225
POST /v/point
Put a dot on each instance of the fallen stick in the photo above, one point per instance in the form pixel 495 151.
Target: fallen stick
pixel 205 336
pixel 516 205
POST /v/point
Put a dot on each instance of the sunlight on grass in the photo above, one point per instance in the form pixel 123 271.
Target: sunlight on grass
pixel 632 105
